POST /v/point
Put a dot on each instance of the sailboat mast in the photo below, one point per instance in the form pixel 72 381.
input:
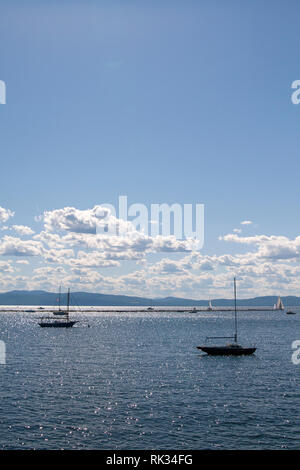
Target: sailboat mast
pixel 59 298
pixel 68 302
pixel 235 313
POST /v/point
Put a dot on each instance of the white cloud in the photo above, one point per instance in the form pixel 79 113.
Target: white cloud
pixel 92 259
pixel 23 229
pixel 171 244
pixel 6 267
pixel 89 221
pixel 59 256
pixel 86 228
pixel 46 271
pixel 167 266
pixel 52 240
pixel 246 222
pixel 5 214
pixel 11 246
pixel 276 247
pixel 71 253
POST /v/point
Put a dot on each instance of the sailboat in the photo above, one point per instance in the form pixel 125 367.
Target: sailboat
pixel 279 305
pixel 59 323
pixel 210 307
pixel 232 349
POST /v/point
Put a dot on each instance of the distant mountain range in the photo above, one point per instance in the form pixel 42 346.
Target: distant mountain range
pixel 39 297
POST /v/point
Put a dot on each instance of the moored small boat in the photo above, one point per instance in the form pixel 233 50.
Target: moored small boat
pixel 64 322
pixel 228 350
pixel 57 324
pixel 232 349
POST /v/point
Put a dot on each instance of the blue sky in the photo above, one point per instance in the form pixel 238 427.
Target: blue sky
pixel 162 101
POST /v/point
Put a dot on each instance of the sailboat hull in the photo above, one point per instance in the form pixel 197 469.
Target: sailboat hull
pixel 226 351
pixel 65 324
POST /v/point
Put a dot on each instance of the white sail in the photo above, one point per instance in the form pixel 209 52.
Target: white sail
pixel 209 306
pixel 279 305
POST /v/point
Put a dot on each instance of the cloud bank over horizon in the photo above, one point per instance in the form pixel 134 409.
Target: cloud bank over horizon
pixel 68 250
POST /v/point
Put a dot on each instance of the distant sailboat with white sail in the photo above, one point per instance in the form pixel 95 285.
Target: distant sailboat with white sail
pixel 279 305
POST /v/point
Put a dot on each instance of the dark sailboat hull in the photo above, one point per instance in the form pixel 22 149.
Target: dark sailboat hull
pixel 226 351
pixel 66 324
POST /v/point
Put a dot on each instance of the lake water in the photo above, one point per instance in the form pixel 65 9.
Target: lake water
pixel 137 381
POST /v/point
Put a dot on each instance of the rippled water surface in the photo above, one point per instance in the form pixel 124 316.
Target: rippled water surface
pixel 137 381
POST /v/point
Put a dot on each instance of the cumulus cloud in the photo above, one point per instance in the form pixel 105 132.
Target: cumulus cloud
pixel 170 243
pixel 167 266
pixel 46 271
pixel 51 240
pixel 98 228
pixel 70 219
pixel 23 229
pixel 76 246
pixel 11 246
pixel 107 250
pixel 6 267
pixel 275 247
pixel 59 256
pixel 47 277
pixel 246 222
pixel 92 259
pixel 5 214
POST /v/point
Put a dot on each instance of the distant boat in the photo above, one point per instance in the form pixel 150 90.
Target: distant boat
pixel 290 312
pixel 193 310
pixel 61 323
pixel 279 305
pixel 210 307
pixel 232 349
pixel 57 324
pixel 150 309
